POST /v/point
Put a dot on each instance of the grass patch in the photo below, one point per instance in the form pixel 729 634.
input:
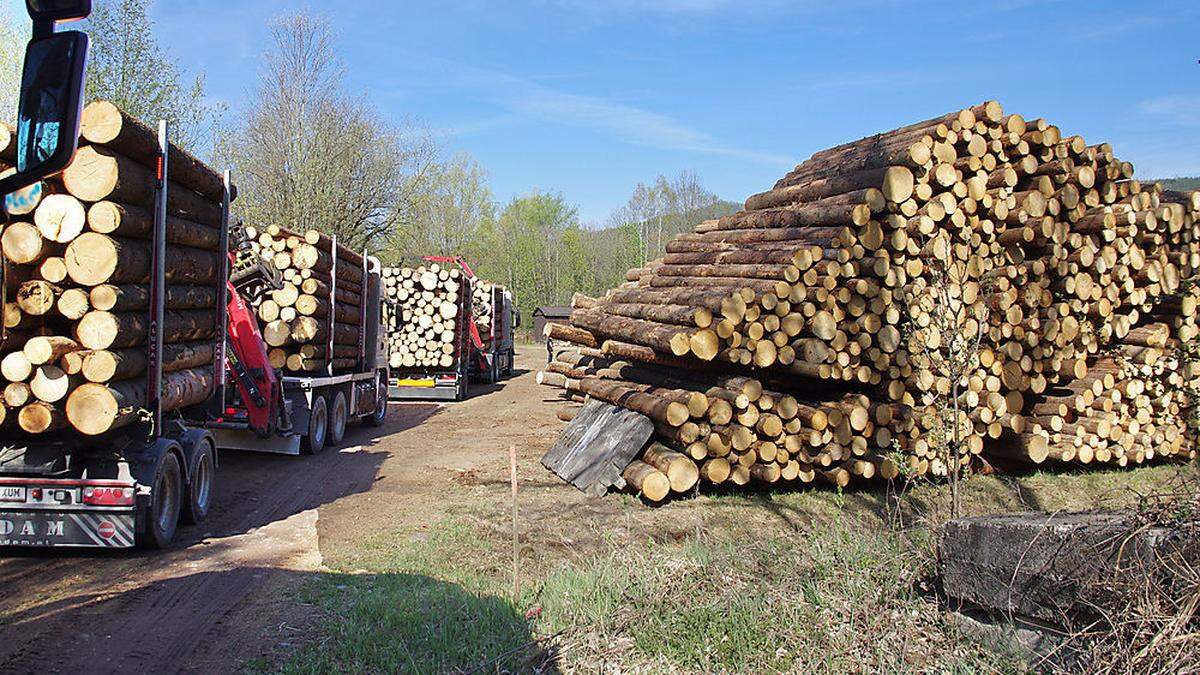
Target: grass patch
pixel 766 581
pixel 841 599
pixel 417 610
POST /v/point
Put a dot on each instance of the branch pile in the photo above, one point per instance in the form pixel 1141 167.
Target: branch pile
pixel 77 264
pixel 975 288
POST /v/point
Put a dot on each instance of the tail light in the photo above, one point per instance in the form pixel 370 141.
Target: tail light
pixel 108 496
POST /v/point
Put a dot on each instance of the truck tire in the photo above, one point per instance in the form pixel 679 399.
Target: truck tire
pixel 376 418
pixel 313 442
pixel 337 418
pixel 166 499
pixel 201 485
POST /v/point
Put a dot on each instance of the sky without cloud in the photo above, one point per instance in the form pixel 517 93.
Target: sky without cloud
pixel 589 97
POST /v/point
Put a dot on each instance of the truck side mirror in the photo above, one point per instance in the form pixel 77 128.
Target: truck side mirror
pixel 49 108
pixel 58 10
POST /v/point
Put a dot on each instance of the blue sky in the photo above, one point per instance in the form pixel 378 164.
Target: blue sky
pixel 589 97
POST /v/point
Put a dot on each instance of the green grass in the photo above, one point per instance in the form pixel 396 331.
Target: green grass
pixel 781 603
pixel 417 610
pixel 808 580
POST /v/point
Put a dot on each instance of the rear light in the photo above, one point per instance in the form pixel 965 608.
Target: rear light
pixel 108 496
pixel 36 493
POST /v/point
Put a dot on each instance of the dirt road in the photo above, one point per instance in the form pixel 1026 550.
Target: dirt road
pixel 205 605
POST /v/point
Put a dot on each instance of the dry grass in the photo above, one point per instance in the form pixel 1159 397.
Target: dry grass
pixel 738 582
pixel 1148 616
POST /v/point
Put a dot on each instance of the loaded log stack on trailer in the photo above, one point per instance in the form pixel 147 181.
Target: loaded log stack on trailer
pixel 427 314
pixel 494 311
pixel 77 283
pixel 313 313
pixel 445 328
pixel 129 357
pixel 978 288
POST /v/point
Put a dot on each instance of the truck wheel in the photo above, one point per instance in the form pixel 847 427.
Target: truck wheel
pixel 376 418
pixel 165 500
pixel 318 425
pixel 337 419
pixel 200 488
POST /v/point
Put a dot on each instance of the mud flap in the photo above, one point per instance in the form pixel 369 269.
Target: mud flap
pixel 67 528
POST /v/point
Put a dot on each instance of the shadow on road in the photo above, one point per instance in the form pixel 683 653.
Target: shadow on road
pixel 383 623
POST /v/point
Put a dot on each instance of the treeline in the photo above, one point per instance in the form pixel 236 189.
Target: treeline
pixel 1183 183
pixel 536 243
pixel 307 152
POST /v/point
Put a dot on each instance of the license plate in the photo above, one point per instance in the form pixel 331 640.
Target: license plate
pixel 12 493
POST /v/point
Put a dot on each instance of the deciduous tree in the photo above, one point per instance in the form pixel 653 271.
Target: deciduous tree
pixel 310 154
pixel 127 65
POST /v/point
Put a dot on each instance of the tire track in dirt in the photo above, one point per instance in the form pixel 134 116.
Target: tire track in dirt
pixel 204 605
pixel 152 611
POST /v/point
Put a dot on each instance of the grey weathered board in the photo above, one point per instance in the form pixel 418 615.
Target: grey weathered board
pixel 597 445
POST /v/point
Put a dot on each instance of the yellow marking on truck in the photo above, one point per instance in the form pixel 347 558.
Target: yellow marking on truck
pixel 414 383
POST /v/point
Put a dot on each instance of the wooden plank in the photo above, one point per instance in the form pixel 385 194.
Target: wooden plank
pixel 597 445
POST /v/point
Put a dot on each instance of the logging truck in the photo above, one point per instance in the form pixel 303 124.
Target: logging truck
pixel 126 403
pixel 446 329
pixel 134 484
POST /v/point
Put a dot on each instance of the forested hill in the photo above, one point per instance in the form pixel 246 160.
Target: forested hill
pixel 1182 183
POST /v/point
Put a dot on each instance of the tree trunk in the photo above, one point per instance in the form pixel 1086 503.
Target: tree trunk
pixel 652 483
pixel 95 258
pixel 105 124
pixel 97 174
pixel 133 297
pixel 134 221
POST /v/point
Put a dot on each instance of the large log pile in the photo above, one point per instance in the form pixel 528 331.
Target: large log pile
pixel 976 282
pixel 315 300
pixel 425 315
pixel 77 265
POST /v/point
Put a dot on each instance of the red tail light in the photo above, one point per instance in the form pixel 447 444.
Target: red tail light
pixel 108 496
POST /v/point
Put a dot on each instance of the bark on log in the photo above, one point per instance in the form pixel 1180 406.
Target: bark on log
pixel 133 297
pixel 134 221
pixel 97 173
pixel 650 482
pixel 118 330
pixel 105 124
pixel 94 408
pixel 95 258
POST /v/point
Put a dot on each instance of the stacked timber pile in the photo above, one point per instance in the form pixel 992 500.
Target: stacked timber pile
pixel 295 316
pixel 960 282
pixel 483 309
pixel 77 264
pixel 425 311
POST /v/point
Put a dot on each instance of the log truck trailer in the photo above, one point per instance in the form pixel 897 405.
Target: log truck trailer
pixel 474 360
pixel 135 485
